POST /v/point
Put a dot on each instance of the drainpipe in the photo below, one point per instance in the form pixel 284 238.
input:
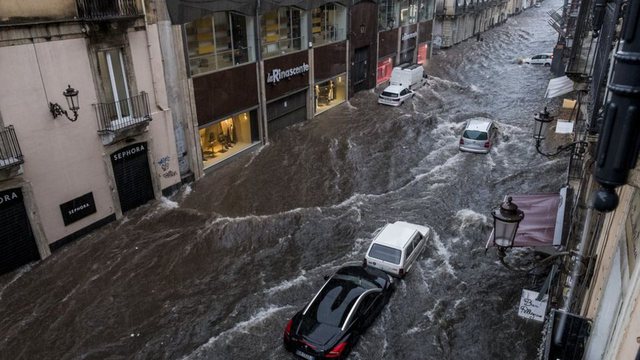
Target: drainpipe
pixel 175 96
pixel 262 99
pixel 619 141
pixel 153 79
pixel 575 274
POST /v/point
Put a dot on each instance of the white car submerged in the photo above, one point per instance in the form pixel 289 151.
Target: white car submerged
pixel 396 247
pixel 394 95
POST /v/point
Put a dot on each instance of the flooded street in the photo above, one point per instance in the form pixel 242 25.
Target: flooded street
pixel 216 271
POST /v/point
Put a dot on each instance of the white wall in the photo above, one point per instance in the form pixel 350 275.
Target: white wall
pixel 62 159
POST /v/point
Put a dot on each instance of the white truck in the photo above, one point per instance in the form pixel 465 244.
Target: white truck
pixel 410 76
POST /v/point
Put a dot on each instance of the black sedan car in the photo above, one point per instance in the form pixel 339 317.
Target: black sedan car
pixel 330 325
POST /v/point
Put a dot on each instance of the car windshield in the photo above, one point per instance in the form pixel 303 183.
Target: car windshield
pixel 385 253
pixel 475 135
pixel 334 302
pixel 389 94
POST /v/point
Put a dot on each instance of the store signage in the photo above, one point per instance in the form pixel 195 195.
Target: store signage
pixel 530 307
pixel 407 36
pixel 78 208
pixel 278 74
pixel 129 151
pixel 8 197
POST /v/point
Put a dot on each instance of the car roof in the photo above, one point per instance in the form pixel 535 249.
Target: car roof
pixel 395 235
pixel 478 124
pixel 394 88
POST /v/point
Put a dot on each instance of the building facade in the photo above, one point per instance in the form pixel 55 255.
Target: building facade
pixel 592 289
pixel 254 68
pixel 458 20
pixel 85 130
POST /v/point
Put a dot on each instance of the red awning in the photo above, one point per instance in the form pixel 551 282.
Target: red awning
pixel 543 218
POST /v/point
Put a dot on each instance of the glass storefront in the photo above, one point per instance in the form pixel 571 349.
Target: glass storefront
pixel 385 67
pixel 423 53
pixel 283 31
pixel 408 12
pixel 219 41
pixel 328 24
pixel 387 14
pixel 330 93
pixel 425 10
pixel 227 137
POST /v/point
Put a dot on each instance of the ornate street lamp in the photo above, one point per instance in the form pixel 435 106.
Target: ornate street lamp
pixel 71 95
pixel 541 123
pixel 506 219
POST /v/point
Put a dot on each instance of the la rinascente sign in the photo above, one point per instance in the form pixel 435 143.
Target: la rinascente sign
pixel 275 75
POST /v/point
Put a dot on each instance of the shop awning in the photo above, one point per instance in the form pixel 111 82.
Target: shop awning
pixel 559 86
pixel 544 216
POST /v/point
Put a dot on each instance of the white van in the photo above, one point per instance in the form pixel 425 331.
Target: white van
pixel 396 248
pixel 410 76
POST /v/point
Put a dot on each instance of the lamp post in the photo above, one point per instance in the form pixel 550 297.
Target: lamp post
pixel 506 219
pixel 71 95
pixel 541 123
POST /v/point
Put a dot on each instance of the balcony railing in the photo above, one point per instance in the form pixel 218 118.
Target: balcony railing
pixel 10 153
pixel 124 114
pixel 106 9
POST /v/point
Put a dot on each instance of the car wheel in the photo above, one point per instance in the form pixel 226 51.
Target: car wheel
pixel 547 64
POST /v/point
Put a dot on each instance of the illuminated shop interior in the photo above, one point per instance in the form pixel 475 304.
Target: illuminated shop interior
pixel 385 67
pixel 330 93
pixel 227 137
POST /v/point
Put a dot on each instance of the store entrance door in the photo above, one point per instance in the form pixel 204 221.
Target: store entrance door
pixel 132 174
pixel 287 111
pixel 360 67
pixel 17 243
pixel 407 56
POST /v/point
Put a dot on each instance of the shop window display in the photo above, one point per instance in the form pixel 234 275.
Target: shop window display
pixel 283 31
pixel 225 138
pixel 328 23
pixel 425 10
pixel 388 14
pixel 423 51
pixel 385 67
pixel 330 93
pixel 219 41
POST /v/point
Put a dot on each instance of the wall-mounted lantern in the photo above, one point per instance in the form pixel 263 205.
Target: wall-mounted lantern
pixel 506 219
pixel 71 95
pixel 541 123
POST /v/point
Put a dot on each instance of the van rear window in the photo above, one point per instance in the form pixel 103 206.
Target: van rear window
pixel 385 253
pixel 475 135
pixel 388 94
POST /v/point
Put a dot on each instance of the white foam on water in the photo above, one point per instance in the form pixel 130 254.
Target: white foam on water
pixel 287 284
pixel 467 217
pixel 255 154
pixel 444 254
pixel 241 327
pixel 168 204
pixel 17 275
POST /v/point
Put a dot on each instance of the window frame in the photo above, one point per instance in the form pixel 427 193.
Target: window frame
pixel 231 49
